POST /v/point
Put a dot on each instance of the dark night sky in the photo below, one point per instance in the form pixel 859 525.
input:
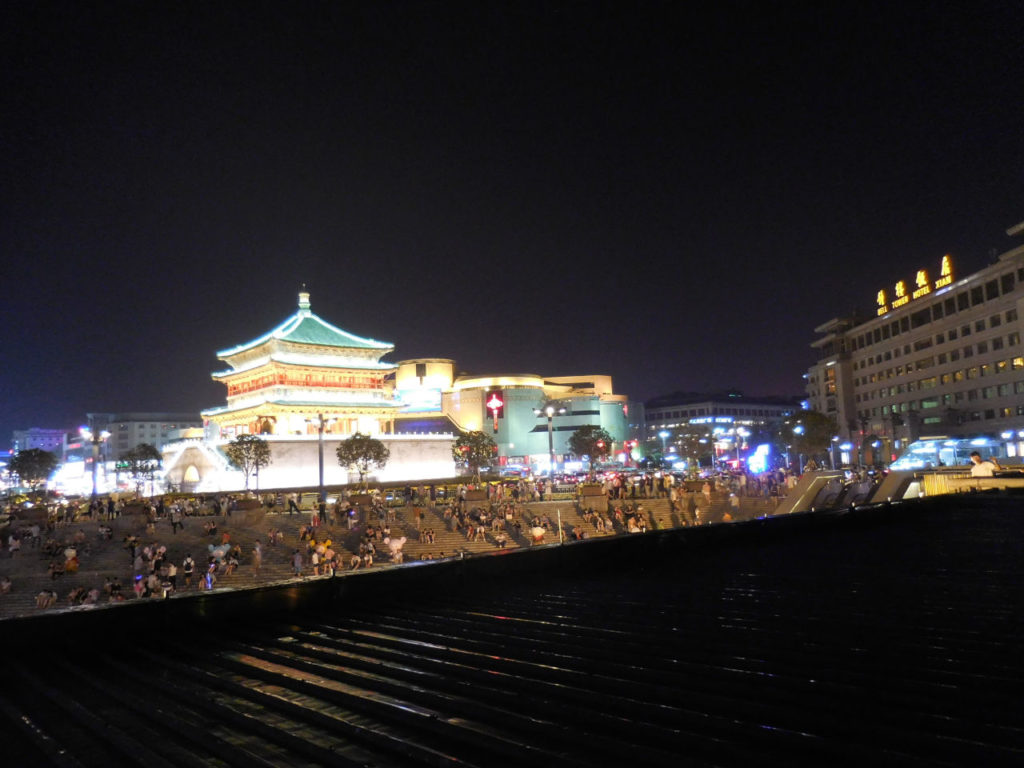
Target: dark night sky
pixel 669 193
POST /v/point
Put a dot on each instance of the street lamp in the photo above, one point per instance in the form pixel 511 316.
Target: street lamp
pixel 832 453
pixel 95 439
pixel 320 421
pixel 741 433
pixel 664 435
pixel 550 411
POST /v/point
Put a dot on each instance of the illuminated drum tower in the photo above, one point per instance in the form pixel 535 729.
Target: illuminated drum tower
pixel 304 373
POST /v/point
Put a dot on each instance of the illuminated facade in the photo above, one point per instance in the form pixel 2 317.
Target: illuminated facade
pixel 505 406
pixel 285 381
pixel 941 356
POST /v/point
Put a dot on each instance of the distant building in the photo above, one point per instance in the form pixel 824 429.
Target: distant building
pixel 941 356
pixel 671 423
pixel 128 430
pixel 52 440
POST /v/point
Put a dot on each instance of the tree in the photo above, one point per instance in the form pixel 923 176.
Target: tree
pixel 476 449
pixel 592 441
pixel 248 453
pixel 363 453
pixel 33 465
pixel 808 433
pixel 142 462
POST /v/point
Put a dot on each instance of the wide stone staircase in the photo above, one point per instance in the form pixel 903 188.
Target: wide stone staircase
pixel 887 640
pixel 101 559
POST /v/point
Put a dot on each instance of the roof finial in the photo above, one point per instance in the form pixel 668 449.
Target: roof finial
pixel 303 298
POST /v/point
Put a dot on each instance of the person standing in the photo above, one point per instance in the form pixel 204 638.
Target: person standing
pixel 257 557
pixel 188 567
pixel 982 467
pixel 297 563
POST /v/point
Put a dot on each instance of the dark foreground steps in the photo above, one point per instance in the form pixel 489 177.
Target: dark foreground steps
pixel 890 643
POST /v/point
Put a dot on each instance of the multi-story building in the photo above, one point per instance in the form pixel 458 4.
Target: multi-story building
pixel 303 375
pixel 942 356
pixel 123 431
pixel 54 441
pixel 511 408
pixel 720 425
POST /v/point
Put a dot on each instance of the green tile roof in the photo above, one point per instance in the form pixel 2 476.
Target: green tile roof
pixel 306 328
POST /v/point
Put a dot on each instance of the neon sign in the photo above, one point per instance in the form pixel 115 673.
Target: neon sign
pixel 923 286
pixel 494 405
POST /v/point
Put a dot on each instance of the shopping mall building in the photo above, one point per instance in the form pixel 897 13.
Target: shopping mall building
pixel 941 358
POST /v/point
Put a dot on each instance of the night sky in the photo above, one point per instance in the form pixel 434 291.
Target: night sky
pixel 669 193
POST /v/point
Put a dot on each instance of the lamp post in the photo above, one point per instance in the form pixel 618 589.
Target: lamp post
pixel 95 439
pixel 550 411
pixel 832 453
pixel 319 421
pixel 664 435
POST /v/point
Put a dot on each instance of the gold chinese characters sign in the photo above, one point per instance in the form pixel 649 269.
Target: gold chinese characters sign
pixel 903 293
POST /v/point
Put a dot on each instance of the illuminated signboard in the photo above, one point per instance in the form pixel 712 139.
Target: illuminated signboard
pixel 886 302
pixel 496 406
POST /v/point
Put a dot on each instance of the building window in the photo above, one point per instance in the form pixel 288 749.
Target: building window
pixel 962 302
pixel 982 347
pixel 987 393
pixel 997 343
pixel 977 296
pixel 972 372
pixel 992 289
pixel 1011 315
pixel 979 326
pixel 1006 283
pixel 1013 338
pixel 995 321
pixel 968 351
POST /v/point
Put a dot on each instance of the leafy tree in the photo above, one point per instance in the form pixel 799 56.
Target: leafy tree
pixel 363 453
pixel 808 432
pixel 476 449
pixel 592 441
pixel 248 453
pixel 33 465
pixel 142 462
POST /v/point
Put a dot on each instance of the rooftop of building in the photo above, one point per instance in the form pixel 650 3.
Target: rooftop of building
pixel 731 397
pixel 304 327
